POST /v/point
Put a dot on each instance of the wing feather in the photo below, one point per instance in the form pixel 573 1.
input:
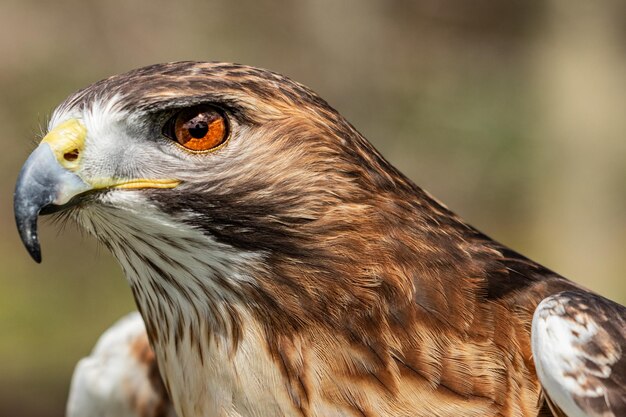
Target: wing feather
pixel 579 346
pixel 120 377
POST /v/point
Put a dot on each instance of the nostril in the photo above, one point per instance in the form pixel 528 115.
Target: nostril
pixel 71 155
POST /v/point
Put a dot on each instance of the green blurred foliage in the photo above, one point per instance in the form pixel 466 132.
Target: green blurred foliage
pixel 510 112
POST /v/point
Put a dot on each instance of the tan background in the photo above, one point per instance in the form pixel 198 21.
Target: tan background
pixel 513 113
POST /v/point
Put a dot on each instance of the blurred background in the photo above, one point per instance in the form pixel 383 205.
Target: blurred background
pixel 512 113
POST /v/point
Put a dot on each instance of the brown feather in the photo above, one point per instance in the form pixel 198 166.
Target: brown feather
pixel 373 295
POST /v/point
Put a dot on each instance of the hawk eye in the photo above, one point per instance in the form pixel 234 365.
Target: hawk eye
pixel 199 128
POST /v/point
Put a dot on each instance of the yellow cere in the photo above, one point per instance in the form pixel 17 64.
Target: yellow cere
pixel 67 141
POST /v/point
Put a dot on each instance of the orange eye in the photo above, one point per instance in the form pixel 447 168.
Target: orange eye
pixel 199 128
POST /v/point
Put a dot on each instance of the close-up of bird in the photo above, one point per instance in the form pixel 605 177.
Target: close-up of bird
pixel 283 267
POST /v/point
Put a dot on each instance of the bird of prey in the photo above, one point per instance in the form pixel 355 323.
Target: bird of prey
pixel 283 267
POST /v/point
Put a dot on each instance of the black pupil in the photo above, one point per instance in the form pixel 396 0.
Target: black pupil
pixel 197 128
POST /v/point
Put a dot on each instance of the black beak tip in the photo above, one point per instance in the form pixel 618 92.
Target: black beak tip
pixel 27 228
pixel 35 252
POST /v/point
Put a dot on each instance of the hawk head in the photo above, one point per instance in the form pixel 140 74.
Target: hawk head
pixel 251 219
pixel 225 180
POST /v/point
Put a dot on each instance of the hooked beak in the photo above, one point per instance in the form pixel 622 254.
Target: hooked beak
pixel 50 181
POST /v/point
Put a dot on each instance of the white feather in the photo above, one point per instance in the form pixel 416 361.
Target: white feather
pixel 558 338
pixel 112 381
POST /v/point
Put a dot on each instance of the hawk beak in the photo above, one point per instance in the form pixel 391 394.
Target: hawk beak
pixel 49 181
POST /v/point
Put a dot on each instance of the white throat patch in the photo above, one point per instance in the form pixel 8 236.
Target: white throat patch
pixel 187 287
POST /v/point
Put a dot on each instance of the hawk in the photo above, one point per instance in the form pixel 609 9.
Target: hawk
pixel 283 267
